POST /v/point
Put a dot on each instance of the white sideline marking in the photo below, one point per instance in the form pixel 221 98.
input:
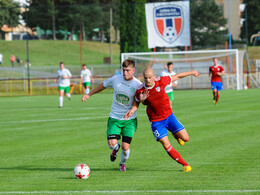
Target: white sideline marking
pixel 148 191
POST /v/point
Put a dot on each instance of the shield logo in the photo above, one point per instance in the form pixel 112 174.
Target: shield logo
pixel 168 22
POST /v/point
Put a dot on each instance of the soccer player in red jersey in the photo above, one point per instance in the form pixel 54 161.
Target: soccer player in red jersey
pixel 215 73
pixel 152 93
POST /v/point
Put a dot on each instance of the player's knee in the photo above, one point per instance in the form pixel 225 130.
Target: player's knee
pixel 186 138
pixel 125 146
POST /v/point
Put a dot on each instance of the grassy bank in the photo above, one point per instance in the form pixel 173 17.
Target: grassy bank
pixel 49 53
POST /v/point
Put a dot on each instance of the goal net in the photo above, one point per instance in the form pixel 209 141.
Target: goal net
pixel 230 59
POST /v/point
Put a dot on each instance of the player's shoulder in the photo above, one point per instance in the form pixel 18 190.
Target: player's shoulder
pixel 164 73
pixel 141 87
pixel 136 80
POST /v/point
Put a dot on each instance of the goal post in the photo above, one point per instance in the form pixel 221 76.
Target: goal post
pixel 201 60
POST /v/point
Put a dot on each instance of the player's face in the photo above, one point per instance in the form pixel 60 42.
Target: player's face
pixel 170 68
pixel 62 66
pixel 149 79
pixel 215 60
pixel 128 73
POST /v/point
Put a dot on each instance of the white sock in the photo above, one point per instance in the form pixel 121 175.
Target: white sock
pixel 124 156
pixel 68 95
pixel 115 147
pixel 87 90
pixel 61 101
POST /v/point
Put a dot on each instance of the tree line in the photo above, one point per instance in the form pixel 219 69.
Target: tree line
pixel 208 26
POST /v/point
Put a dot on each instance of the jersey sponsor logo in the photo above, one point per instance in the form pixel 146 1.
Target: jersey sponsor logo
pixel 122 99
pixel 168 22
pixel 158 89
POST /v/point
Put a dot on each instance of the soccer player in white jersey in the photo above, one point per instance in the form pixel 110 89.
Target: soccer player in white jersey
pixel 169 88
pixel 64 76
pixel 124 91
pixel 86 78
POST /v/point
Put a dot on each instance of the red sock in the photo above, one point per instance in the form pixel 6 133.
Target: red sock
pixel 176 156
pixel 217 98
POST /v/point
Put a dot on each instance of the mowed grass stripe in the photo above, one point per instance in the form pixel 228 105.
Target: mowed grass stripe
pixel 40 156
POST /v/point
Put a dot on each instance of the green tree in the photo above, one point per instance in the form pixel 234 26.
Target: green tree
pixel 133 33
pixel 9 13
pixel 207 23
pixel 253 18
pixel 41 14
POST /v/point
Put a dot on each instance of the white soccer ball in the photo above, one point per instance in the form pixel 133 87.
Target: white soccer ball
pixel 82 171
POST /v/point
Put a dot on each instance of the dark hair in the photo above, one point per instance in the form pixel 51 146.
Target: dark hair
pixel 169 63
pixel 61 63
pixel 84 65
pixel 128 63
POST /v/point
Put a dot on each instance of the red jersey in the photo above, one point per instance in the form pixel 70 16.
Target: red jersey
pixel 158 107
pixel 214 70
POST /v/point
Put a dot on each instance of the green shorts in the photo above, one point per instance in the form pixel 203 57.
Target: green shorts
pixel 121 127
pixel 66 89
pixel 86 84
pixel 170 95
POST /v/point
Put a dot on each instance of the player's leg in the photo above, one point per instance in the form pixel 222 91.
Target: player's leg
pixel 170 95
pixel 214 90
pixel 67 92
pixel 114 146
pixel 177 129
pixel 125 153
pixel 61 93
pixel 174 154
pixel 160 133
pixel 219 88
pixel 87 90
pixel 113 135
pixel 84 86
pixel 128 129
pixel 181 136
pixel 87 87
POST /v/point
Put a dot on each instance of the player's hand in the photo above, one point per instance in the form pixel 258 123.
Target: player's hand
pixel 196 73
pixel 144 95
pixel 128 114
pixel 85 97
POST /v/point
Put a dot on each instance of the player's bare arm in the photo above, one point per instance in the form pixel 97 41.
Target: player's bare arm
pixel 92 79
pixel 185 74
pixel 98 89
pixel 221 73
pixel 133 109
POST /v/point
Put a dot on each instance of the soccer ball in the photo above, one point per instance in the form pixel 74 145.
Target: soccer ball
pixel 81 171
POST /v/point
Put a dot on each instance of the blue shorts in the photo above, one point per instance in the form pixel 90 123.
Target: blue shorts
pixel 217 85
pixel 159 128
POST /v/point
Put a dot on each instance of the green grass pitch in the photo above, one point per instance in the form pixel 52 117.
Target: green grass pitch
pixel 41 144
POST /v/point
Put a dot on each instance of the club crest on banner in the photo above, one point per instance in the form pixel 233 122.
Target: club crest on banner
pixel 168 22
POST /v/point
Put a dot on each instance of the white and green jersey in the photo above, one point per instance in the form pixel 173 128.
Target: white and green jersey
pixel 64 82
pixel 85 73
pixel 123 97
pixel 168 88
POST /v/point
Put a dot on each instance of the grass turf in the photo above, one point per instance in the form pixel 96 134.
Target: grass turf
pixel 41 144
pixel 50 53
